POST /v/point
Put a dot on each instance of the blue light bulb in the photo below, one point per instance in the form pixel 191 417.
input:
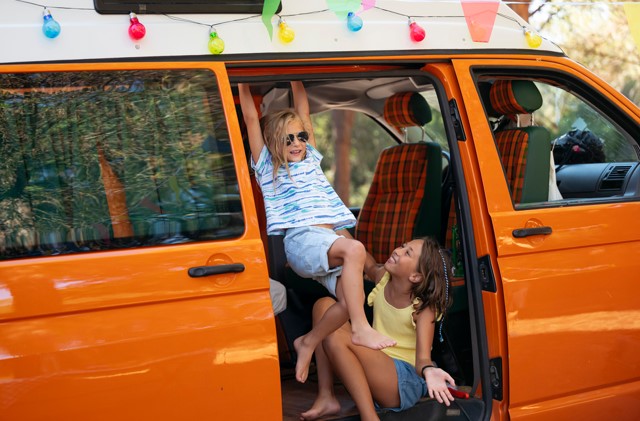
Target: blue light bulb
pixel 50 27
pixel 354 22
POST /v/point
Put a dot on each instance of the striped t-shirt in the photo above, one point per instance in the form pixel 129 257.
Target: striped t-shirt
pixel 304 199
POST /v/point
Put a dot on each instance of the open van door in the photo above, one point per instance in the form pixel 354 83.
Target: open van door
pixel 566 266
pixel 133 280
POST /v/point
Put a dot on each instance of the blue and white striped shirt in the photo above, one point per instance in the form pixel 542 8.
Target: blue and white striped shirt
pixel 303 200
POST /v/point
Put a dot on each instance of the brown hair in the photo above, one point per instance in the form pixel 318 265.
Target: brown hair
pixel 274 132
pixel 435 267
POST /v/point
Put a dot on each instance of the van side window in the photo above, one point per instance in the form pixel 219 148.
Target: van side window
pixel 557 145
pixel 105 160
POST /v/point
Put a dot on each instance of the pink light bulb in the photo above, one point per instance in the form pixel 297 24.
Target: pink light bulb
pixel 136 29
pixel 416 32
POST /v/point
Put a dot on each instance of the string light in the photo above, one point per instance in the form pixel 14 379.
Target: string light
pixel 50 27
pixel 216 44
pixel 416 32
pixel 285 33
pixel 354 22
pixel 136 29
pixel 533 39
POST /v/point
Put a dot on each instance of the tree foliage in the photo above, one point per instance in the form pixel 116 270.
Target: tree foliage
pixel 594 34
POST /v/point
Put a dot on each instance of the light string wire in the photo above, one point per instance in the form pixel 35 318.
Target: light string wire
pixel 181 19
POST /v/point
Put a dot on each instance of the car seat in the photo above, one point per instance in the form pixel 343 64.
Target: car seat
pixel 404 200
pixel 524 151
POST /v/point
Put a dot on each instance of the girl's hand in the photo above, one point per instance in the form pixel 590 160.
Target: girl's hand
pixel 437 379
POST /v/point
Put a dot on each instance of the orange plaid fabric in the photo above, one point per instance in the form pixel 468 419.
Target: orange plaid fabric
pixel 513 145
pixel 503 99
pixel 406 109
pixel 388 216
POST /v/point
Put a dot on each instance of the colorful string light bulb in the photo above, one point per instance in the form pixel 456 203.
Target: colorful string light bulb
pixel 136 29
pixel 533 39
pixel 354 22
pixel 416 32
pixel 285 33
pixel 216 44
pixel 50 27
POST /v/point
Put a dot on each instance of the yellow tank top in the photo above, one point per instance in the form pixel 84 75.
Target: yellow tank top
pixel 396 323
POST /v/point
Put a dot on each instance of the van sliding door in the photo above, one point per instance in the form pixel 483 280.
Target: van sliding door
pixel 133 281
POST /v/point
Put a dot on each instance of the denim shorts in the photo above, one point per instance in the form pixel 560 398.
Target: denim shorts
pixel 411 386
pixel 307 251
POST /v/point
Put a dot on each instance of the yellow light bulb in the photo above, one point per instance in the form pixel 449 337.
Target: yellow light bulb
pixel 533 39
pixel 286 34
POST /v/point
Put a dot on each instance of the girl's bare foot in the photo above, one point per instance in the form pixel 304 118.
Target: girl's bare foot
pixel 304 354
pixel 371 338
pixel 321 407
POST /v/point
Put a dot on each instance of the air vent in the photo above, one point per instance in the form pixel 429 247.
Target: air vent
pixel 614 179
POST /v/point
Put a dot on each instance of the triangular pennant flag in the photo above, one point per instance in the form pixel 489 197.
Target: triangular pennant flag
pixel 632 11
pixel 268 10
pixel 343 7
pixel 368 4
pixel 480 16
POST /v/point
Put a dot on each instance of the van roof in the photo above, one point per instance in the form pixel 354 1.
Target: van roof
pixel 88 35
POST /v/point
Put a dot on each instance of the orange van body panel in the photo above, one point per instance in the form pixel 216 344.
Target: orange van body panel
pixel 107 333
pixel 570 298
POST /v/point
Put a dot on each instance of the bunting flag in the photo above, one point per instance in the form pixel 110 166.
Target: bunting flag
pixel 632 10
pixel 342 7
pixel 368 4
pixel 480 16
pixel 268 11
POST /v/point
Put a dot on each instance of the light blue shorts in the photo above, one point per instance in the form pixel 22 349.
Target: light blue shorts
pixel 411 386
pixel 307 251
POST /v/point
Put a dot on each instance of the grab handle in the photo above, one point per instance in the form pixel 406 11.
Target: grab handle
pixel 202 271
pixel 527 232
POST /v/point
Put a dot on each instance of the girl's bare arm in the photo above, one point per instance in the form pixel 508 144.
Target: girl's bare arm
pixel 301 105
pixel 437 379
pixel 252 120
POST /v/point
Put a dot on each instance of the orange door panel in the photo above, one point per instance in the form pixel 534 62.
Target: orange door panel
pixel 181 328
pixel 570 297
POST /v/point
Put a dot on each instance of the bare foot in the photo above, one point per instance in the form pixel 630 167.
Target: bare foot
pixel 321 407
pixel 304 354
pixel 371 338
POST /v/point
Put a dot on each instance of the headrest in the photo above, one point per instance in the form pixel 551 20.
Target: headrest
pixel 507 97
pixel 406 109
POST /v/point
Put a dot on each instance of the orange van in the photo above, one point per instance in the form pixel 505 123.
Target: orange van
pixel 134 264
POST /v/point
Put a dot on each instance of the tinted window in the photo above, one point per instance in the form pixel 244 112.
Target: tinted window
pixel 104 160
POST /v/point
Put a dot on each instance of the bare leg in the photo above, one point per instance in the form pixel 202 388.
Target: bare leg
pixel 350 293
pixel 364 372
pixel 334 317
pixel 352 254
pixel 326 402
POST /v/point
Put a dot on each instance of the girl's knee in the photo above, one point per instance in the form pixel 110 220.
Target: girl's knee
pixel 355 250
pixel 321 306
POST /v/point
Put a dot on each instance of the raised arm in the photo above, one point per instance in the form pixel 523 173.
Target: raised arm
pixel 252 121
pixel 301 105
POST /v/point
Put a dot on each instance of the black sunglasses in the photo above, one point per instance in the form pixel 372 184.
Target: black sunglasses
pixel 302 137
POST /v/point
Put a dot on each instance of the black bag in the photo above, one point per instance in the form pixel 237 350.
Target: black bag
pixel 578 147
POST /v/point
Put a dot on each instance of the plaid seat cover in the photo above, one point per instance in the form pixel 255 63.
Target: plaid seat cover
pixel 388 215
pixel 512 145
pixel 406 109
pixel 503 99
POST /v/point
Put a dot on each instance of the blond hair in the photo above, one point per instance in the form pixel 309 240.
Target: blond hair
pixel 274 132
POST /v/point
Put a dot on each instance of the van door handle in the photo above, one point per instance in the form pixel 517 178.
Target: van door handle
pixel 527 232
pixel 202 271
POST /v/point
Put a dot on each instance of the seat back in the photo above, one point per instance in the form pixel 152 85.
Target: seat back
pixel 525 151
pixel 404 200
